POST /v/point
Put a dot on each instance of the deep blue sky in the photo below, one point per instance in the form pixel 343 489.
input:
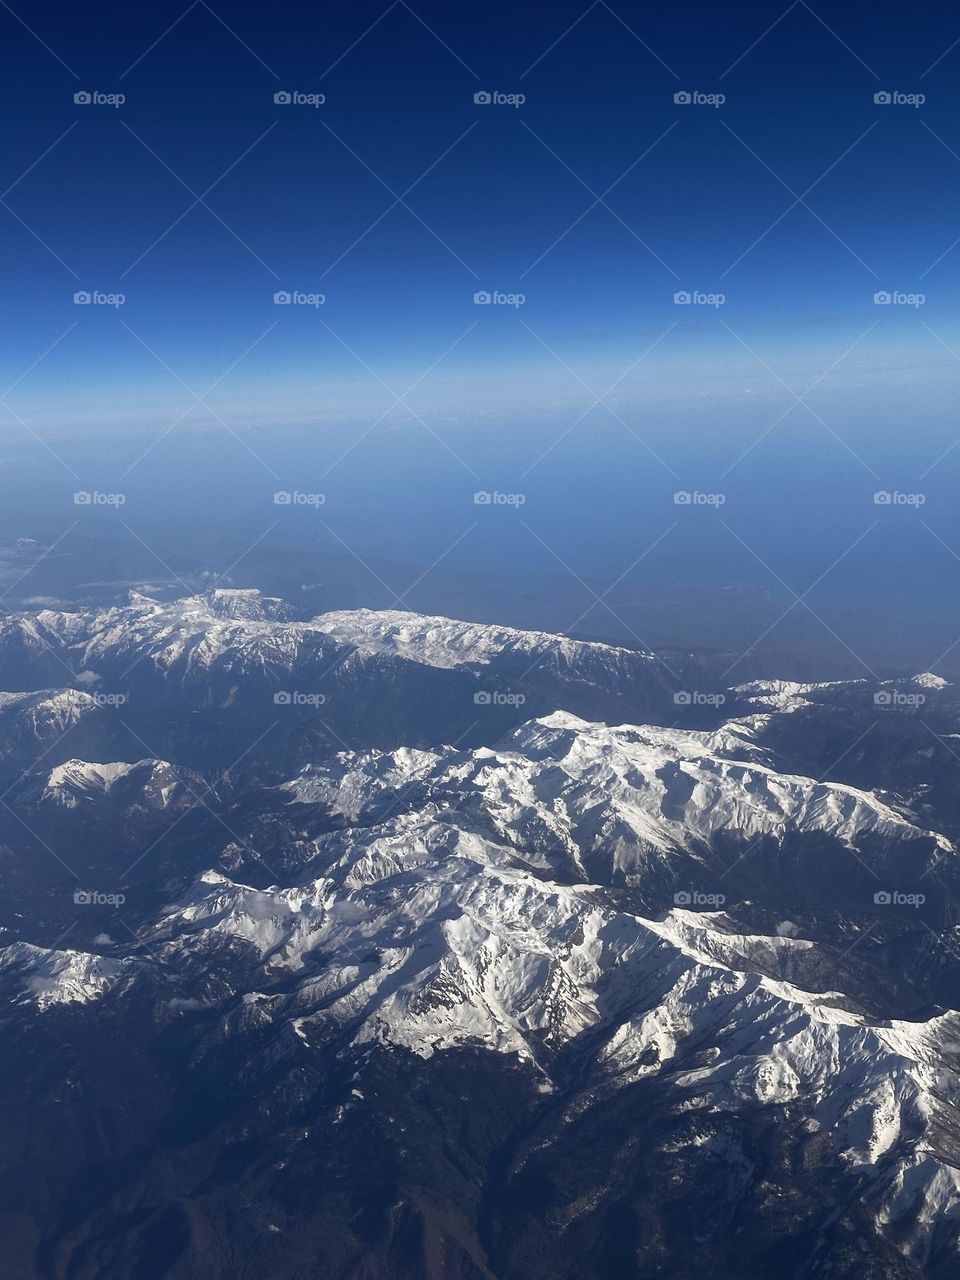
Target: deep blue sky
pixel 398 99
pixel 798 199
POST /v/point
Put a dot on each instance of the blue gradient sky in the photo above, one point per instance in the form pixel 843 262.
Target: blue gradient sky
pixel 713 184
pixel 799 198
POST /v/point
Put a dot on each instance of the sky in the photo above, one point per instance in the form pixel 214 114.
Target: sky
pixel 597 199
pixel 595 253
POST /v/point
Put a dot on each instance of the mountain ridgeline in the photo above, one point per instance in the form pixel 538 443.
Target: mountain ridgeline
pixel 373 946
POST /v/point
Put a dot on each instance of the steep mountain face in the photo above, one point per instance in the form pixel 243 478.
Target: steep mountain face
pixel 612 804
pixel 905 738
pixel 133 791
pixel 31 720
pixel 595 677
pixel 585 997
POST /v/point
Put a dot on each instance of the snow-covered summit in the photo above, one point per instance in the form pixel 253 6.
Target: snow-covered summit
pixel 445 642
pixel 612 798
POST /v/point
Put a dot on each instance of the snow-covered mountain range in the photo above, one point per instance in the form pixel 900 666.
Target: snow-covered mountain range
pixel 636 953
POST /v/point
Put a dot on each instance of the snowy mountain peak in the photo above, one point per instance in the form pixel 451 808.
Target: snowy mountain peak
pixel 248 604
pixel 445 642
